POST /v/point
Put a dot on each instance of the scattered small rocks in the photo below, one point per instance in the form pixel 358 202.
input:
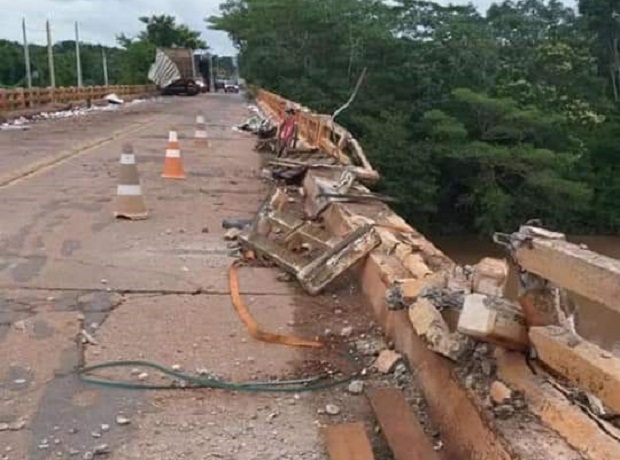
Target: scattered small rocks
pixel 73 452
pixel 356 387
pixel 14 426
pixel 205 229
pixel 504 411
pixel 176 367
pixel 105 427
pixel 370 347
pixel 499 393
pixel 346 331
pixel 401 374
pixel 387 360
pixel 122 420
pixel 488 367
pixel 101 449
pixel 143 376
pixel 332 409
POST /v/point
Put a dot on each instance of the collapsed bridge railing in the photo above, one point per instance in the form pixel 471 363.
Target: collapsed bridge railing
pixel 321 132
pixel 468 345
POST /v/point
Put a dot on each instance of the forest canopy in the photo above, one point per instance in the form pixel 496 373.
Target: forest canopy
pixel 477 121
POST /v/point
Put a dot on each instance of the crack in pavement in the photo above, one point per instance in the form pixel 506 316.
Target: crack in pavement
pixel 154 292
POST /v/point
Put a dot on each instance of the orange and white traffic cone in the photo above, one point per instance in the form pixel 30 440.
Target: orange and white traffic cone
pixel 200 136
pixel 173 165
pixel 129 202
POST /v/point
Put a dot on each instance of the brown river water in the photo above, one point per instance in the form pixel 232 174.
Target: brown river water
pixel 598 324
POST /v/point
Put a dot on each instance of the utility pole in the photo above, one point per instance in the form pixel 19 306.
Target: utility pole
pixel 50 55
pixel 27 55
pixel 77 56
pixel 105 67
pixel 193 53
pixel 211 76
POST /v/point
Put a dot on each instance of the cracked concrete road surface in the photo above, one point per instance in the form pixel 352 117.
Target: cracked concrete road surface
pixel 154 290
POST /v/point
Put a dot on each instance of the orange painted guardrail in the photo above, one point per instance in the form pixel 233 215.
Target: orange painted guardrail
pixel 320 131
pixel 23 98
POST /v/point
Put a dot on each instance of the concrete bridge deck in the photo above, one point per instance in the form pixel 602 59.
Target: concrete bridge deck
pixel 157 290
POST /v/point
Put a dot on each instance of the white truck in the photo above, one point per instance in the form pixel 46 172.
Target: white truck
pixel 174 72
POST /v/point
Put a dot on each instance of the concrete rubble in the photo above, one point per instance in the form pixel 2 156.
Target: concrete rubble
pixel 458 312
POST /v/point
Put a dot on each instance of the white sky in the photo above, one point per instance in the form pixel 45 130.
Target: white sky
pixel 101 20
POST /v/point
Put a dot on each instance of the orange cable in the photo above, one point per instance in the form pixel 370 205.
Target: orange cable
pixel 252 326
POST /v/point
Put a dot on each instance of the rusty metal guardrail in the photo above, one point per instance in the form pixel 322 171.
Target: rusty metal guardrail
pixel 320 131
pixel 23 98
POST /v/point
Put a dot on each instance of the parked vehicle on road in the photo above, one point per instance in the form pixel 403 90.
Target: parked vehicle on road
pixel 230 87
pixel 174 72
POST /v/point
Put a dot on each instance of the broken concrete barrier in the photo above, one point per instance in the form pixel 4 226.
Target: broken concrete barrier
pixel 490 277
pixel 495 320
pixel 429 324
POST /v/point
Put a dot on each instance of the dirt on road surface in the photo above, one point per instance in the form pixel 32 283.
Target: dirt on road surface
pixel 157 290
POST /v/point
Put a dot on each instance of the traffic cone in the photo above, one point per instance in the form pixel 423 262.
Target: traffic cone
pixel 173 165
pixel 200 137
pixel 129 202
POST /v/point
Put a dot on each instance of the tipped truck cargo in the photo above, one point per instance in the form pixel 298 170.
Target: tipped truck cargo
pixel 174 72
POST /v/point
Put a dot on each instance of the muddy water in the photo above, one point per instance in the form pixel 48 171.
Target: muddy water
pixel 595 322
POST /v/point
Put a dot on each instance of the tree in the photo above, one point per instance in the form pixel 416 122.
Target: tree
pixel 161 31
pixel 602 18
pixel 475 122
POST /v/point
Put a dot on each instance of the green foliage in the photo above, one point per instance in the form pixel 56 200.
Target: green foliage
pixel 126 65
pixel 476 123
pixel 161 31
pixel 13 73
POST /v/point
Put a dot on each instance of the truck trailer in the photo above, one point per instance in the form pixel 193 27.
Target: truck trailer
pixel 174 72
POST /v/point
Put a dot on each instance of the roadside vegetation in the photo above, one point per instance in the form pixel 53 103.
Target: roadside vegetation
pixel 476 121
pixel 128 63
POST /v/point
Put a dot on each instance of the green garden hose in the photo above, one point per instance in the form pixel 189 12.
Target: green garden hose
pixel 316 383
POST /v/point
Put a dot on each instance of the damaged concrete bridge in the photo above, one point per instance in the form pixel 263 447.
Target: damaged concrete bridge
pixel 271 306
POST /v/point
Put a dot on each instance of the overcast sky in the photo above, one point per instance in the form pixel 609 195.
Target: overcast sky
pixel 101 20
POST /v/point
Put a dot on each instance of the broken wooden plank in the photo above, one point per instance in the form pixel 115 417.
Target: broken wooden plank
pixel 306 231
pixel 400 427
pixel 348 441
pixel 263 246
pixel 567 265
pixel 317 275
pixel 585 365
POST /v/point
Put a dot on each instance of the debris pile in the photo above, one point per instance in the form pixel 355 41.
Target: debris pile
pixel 24 122
pixel 460 313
